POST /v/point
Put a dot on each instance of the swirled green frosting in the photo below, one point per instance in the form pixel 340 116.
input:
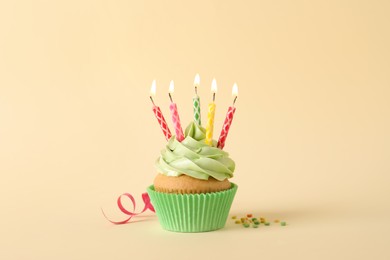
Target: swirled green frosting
pixel 194 157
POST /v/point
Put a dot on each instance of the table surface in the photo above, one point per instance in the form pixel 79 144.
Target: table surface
pixel 76 229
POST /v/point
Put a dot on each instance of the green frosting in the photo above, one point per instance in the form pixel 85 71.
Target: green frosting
pixel 194 157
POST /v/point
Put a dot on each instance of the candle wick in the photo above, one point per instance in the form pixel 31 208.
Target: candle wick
pixel 213 96
pixel 234 101
pixel 152 100
pixel 196 90
pixel 170 97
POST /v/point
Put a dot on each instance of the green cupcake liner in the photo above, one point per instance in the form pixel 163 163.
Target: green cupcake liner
pixel 192 212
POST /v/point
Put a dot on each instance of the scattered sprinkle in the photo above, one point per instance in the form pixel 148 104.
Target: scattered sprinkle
pixel 248 221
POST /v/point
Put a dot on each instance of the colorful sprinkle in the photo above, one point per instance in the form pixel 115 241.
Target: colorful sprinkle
pixel 248 221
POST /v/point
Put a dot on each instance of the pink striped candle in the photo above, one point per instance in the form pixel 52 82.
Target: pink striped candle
pixel 175 115
pixel 226 127
pixel 228 120
pixel 157 112
pixel 161 121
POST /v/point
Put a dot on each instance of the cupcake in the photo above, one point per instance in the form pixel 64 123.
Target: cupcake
pixel 192 191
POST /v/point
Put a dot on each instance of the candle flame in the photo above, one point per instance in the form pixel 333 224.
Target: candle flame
pixel 171 87
pixel 214 86
pixel 197 80
pixel 235 90
pixel 153 88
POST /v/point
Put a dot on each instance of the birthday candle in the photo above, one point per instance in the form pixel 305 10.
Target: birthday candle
pixel 157 112
pixel 196 101
pixel 175 115
pixel 228 119
pixel 210 115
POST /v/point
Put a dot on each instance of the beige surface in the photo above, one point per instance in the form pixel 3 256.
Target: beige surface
pixel 310 135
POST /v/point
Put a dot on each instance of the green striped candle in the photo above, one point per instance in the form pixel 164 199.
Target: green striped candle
pixel 196 101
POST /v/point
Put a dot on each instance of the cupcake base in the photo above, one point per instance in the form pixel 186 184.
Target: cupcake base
pixel 185 184
pixel 192 212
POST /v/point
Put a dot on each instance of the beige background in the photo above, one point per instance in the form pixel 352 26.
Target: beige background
pixel 310 136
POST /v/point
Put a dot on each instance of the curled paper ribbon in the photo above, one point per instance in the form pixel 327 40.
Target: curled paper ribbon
pixel 145 198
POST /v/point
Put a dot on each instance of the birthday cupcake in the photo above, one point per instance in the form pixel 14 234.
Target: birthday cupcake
pixel 191 192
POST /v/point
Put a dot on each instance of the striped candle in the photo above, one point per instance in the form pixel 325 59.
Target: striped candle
pixel 159 115
pixel 175 115
pixel 210 115
pixel 196 101
pixel 226 127
pixel 228 120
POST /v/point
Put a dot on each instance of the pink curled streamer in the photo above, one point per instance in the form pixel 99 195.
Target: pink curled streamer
pixel 145 198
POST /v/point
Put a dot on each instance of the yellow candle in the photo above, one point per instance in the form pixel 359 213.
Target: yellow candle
pixel 210 115
pixel 210 124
